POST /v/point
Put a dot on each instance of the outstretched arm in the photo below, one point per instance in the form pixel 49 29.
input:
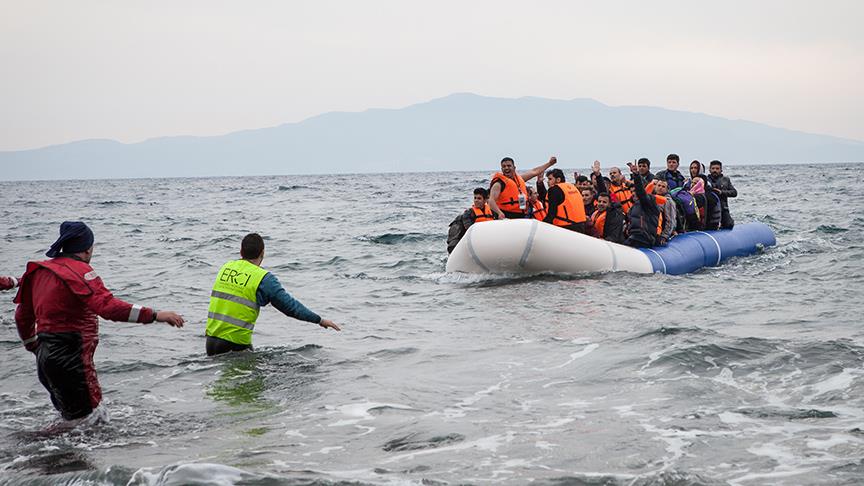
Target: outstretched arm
pixel 103 303
pixel 539 170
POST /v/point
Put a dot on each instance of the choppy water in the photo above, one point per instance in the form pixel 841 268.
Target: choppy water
pixel 751 373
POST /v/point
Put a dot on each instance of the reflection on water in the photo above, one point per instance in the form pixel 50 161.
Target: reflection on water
pixel 240 381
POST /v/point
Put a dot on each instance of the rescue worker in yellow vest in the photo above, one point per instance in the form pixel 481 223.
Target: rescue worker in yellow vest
pixel 242 287
pixel 564 204
pixel 508 195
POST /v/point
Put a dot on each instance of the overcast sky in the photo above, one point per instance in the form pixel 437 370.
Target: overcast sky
pixel 130 71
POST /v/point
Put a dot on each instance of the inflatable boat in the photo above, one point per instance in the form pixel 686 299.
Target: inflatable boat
pixel 531 246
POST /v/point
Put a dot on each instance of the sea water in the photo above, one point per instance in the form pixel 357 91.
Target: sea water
pixel 750 373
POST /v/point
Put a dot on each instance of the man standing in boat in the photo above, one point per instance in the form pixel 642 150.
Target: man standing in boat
pixel 722 186
pixel 508 195
pixel 242 287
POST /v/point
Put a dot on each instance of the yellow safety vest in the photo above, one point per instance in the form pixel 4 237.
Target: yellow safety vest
pixel 233 304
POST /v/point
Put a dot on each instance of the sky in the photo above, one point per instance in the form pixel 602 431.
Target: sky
pixel 133 70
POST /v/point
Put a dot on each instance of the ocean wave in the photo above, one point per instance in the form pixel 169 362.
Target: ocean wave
pixel 669 331
pixel 398 238
pixel 111 203
pixel 829 229
pixel 663 477
pixel 392 353
pixel 787 414
pixel 416 441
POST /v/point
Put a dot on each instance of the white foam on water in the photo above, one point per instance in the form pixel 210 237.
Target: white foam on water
pixel 553 424
pixel 652 358
pixel 832 441
pixel 198 473
pixel 163 399
pixel 295 433
pixel 734 418
pixel 574 356
pixel 511 463
pixel 841 381
pixel 777 473
pixel 626 411
pixel 712 361
pixel 556 383
pixel 459 409
pixel 575 404
pixel 324 450
pixel 788 464
pixel 360 411
pixel 548 446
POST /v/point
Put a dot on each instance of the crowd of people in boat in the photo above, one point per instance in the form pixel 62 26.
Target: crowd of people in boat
pixel 647 210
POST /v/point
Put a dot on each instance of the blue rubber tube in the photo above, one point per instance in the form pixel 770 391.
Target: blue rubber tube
pixel 691 251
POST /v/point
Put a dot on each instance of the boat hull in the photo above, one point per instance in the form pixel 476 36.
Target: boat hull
pixel 531 246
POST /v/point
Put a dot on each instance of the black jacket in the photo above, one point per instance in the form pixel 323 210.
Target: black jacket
pixel 458 227
pixel 644 217
pixel 726 188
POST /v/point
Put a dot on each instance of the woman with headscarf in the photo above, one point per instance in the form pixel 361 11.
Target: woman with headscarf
pixel 706 200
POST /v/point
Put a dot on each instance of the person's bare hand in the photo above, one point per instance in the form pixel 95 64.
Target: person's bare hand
pixel 171 318
pixel 327 323
pixel 553 160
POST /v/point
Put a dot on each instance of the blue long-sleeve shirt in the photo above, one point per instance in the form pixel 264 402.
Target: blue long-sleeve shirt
pixel 270 291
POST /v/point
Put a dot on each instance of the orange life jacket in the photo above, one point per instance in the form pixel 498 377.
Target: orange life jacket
pixel 572 210
pixel 508 200
pixel 484 214
pixel 660 201
pixel 539 210
pixel 598 224
pixel 623 195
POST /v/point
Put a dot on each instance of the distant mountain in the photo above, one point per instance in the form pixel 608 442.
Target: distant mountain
pixel 457 132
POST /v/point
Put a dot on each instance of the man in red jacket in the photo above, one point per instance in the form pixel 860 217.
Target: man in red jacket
pixel 58 301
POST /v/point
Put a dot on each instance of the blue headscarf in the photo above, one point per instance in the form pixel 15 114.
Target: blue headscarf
pixel 75 237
